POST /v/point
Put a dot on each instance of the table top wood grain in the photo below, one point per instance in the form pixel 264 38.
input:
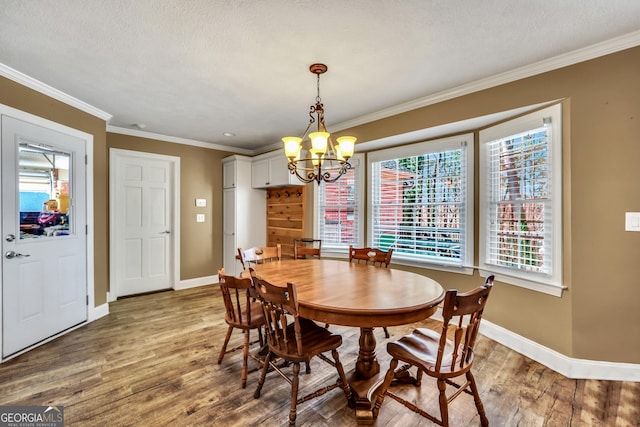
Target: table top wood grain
pixel 349 294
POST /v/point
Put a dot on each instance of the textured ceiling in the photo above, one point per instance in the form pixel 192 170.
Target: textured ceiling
pixel 196 69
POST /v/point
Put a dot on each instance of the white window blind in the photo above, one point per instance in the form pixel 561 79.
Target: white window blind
pixel 419 203
pixel 520 201
pixel 338 210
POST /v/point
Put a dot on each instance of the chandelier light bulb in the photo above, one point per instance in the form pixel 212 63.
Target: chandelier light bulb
pixel 346 144
pixel 319 141
pixel 291 146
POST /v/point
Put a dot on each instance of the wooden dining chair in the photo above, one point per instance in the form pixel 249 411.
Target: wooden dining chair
pixel 243 312
pixel 259 255
pixel 372 256
pixel 302 248
pixel 442 355
pixel 294 339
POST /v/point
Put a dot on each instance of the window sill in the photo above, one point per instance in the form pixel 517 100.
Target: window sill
pixel 545 288
pixel 451 268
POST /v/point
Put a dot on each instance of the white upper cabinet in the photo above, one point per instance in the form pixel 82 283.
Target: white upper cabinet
pixel 229 175
pixel 271 170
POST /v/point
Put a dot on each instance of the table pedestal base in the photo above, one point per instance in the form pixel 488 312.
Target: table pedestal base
pixel 364 394
pixel 366 378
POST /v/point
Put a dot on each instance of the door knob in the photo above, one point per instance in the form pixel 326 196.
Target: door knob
pixel 12 254
pixel 165 232
pixel 10 238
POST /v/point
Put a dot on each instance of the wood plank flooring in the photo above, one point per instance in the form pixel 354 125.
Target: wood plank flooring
pixel 153 362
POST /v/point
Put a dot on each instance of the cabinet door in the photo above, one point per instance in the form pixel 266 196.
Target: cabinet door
pixel 229 174
pixel 229 248
pixel 260 174
pixel 229 211
pixel 279 170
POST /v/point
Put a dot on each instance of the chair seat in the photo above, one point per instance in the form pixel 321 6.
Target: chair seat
pixel 315 340
pixel 257 317
pixel 420 348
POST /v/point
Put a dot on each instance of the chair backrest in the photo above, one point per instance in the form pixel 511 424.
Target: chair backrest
pixel 372 256
pixel 280 306
pixel 237 294
pixel 306 246
pixel 259 255
pixel 463 311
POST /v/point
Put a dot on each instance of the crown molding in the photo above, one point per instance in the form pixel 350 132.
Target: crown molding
pixel 177 140
pixel 590 52
pixel 54 93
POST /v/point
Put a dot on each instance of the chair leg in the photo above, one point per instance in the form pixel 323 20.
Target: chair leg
pixel 224 346
pixel 385 385
pixel 265 368
pixel 341 375
pixel 476 398
pixel 295 383
pixel 444 405
pixel 386 332
pixel 245 356
pixel 419 378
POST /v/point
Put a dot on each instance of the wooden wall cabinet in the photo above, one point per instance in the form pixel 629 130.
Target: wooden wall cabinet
pixel 244 212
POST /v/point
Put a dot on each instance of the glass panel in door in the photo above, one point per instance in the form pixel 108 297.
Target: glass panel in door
pixel 44 191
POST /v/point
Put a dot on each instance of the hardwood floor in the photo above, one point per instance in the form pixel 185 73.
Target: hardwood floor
pixel 153 362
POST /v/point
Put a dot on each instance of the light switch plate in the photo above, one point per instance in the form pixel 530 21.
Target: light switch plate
pixel 201 203
pixel 632 221
pixel 199 217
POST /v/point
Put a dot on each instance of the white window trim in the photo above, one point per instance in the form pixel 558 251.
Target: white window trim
pixel 441 144
pixel 551 284
pixel 356 161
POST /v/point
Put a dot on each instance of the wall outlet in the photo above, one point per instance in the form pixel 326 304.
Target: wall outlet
pixel 200 218
pixel 201 203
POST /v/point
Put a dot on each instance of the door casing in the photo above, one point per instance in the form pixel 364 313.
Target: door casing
pixel 114 153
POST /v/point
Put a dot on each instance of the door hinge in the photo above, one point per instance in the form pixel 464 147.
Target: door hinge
pixel 86 229
pixel 87 299
pixel 86 159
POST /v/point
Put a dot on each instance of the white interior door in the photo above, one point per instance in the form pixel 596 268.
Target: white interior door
pixel 44 233
pixel 142 198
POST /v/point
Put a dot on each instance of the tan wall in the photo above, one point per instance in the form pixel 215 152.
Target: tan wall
pixel 30 101
pixel 200 177
pixel 602 150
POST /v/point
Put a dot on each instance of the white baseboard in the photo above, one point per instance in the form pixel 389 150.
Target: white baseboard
pixel 194 283
pixel 97 312
pixel 564 365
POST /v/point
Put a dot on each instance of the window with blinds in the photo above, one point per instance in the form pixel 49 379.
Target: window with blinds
pixel 420 202
pixel 520 201
pixel 521 197
pixel 338 204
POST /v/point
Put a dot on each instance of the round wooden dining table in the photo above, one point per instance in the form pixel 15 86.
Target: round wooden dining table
pixel 349 294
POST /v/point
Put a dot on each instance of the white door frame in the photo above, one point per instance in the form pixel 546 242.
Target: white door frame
pixel 175 232
pixel 93 312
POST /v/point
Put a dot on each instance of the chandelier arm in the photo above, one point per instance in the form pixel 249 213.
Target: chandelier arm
pixel 294 170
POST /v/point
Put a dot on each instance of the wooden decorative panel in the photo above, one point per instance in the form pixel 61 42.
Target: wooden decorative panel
pixel 285 217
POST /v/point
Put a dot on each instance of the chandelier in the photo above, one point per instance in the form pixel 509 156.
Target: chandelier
pixel 322 160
